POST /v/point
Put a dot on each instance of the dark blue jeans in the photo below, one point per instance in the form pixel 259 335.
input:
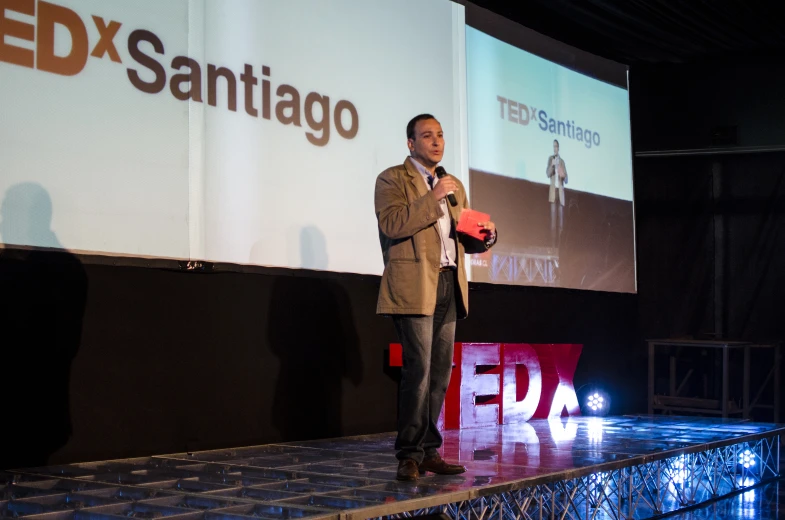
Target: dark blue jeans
pixel 427 363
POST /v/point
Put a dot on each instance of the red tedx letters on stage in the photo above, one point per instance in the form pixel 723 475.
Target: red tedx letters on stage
pixel 504 383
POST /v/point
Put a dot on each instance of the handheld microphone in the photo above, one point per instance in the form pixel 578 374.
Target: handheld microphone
pixel 450 196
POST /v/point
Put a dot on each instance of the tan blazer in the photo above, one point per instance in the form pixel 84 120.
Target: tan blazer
pixel 551 172
pixel 411 246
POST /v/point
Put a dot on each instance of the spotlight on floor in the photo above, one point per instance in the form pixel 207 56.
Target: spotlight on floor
pixel 594 401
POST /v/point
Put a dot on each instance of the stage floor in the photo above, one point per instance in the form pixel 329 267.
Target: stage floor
pixel 588 467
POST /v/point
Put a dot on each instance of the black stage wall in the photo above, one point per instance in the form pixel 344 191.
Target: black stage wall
pixel 171 361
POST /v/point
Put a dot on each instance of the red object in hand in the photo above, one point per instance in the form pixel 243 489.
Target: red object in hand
pixel 468 221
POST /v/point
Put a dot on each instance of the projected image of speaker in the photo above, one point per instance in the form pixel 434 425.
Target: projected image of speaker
pixel 550 158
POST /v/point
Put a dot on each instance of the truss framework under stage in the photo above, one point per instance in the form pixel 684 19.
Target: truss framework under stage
pixel 642 491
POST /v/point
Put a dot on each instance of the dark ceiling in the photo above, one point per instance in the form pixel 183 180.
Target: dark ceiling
pixel 657 31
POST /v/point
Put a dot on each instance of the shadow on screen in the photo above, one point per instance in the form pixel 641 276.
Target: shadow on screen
pixel 41 312
pixel 312 333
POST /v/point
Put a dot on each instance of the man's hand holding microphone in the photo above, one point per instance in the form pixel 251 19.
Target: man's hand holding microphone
pixel 444 187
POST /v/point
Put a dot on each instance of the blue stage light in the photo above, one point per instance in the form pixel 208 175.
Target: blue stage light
pixel 594 401
pixel 747 459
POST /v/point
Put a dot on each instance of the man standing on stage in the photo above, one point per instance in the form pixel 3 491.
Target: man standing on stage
pixel 557 172
pixel 423 288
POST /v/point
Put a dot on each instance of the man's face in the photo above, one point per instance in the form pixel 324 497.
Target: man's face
pixel 555 148
pixel 428 143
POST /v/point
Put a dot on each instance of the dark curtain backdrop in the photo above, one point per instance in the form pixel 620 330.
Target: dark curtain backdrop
pixel 158 361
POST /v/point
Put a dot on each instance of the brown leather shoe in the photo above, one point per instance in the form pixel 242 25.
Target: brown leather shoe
pixel 436 464
pixel 407 470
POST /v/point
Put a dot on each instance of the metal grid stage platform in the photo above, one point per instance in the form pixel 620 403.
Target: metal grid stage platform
pixel 619 467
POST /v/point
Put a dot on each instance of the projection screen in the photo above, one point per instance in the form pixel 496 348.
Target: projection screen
pixel 251 132
pixel 245 132
pixel 550 158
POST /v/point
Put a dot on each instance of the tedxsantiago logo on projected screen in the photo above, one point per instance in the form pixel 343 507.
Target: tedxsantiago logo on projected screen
pixel 523 115
pixel 186 80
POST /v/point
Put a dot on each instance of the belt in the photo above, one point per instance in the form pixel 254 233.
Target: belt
pixel 446 268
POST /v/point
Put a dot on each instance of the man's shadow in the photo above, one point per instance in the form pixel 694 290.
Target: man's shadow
pixel 312 332
pixel 41 311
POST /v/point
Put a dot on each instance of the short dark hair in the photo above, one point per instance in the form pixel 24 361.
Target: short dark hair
pixel 556 141
pixel 413 123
